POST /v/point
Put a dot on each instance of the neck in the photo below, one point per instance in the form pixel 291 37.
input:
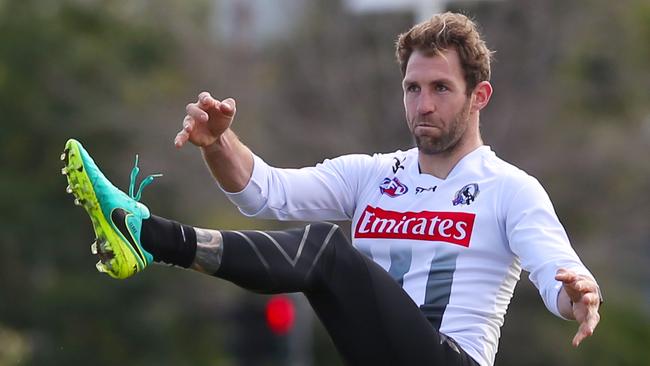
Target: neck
pixel 440 165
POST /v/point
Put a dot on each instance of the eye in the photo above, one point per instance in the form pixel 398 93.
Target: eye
pixel 412 88
pixel 441 88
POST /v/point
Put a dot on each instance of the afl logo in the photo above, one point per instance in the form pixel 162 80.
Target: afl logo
pixel 392 187
pixel 466 195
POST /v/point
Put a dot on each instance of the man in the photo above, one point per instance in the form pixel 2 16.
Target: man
pixel 448 225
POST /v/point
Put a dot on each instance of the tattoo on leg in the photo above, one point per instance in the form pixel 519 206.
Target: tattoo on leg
pixel 209 249
pixel 203 236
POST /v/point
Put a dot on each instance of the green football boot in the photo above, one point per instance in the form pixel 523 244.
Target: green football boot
pixel 116 216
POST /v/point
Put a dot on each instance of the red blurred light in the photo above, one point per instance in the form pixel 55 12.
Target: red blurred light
pixel 280 314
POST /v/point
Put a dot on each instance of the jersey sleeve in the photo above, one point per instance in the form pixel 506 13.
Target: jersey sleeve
pixel 327 191
pixel 537 237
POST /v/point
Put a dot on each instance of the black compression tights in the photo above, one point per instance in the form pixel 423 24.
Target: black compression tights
pixel 371 320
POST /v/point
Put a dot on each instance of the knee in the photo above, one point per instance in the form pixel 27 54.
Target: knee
pixel 330 235
pixel 335 253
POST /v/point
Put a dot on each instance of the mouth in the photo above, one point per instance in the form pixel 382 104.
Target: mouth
pixel 427 123
pixel 426 126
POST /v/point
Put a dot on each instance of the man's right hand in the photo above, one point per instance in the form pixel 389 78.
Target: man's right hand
pixel 206 121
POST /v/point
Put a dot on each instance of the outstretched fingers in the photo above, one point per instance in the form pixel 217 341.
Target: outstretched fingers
pixel 184 134
pixel 195 112
pixel 565 276
pixel 206 101
pixel 227 107
pixel 587 325
pixel 205 120
pixel 575 284
pixel 585 297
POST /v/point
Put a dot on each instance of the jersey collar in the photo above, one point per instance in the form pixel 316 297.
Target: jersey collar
pixel 472 158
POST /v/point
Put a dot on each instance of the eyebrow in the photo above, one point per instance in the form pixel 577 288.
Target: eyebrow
pixel 435 81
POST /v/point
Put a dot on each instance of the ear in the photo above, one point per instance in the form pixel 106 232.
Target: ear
pixel 482 93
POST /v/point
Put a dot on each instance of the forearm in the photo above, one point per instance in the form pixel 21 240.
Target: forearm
pixel 229 161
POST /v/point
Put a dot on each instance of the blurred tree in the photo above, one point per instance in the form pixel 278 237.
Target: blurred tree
pixel 69 69
pixel 571 107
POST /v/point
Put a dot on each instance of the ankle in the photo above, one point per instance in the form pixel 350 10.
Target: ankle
pixel 168 241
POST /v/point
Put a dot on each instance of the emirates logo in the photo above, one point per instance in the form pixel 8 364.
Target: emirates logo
pixel 449 227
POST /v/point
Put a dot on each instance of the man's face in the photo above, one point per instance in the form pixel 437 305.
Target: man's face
pixel 437 107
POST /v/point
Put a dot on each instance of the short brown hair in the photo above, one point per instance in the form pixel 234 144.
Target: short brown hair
pixel 445 31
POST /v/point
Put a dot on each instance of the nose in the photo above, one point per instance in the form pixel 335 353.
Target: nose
pixel 425 104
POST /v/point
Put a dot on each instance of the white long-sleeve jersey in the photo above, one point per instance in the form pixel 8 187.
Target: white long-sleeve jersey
pixel 456 245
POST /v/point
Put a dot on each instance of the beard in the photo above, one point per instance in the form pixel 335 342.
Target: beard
pixel 448 139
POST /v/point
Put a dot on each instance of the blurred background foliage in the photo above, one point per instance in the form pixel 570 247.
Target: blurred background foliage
pixel 571 106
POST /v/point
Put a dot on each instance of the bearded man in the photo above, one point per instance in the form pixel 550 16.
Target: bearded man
pixel 440 232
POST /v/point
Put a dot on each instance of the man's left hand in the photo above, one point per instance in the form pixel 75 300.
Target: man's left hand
pixel 580 300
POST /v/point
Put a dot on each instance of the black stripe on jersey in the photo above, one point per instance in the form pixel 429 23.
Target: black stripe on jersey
pixel 400 263
pixel 441 276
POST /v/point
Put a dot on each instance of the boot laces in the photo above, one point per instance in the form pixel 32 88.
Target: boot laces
pixel 145 182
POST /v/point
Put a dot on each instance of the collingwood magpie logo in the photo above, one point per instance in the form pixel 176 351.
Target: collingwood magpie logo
pixel 466 195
